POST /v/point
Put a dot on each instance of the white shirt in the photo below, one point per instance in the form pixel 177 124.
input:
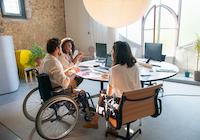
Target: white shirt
pixel 52 66
pixel 65 60
pixel 124 79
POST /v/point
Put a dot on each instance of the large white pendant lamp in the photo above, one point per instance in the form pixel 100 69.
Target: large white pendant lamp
pixel 116 13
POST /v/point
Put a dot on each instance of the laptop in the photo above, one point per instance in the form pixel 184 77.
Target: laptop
pixel 108 62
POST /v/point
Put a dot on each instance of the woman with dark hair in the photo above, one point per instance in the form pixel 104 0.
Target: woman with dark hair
pixel 123 76
pixel 69 59
pixel 70 55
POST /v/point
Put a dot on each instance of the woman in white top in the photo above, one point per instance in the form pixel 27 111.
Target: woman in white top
pixel 69 58
pixel 123 76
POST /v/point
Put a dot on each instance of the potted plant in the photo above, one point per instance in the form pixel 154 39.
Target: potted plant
pixel 197 48
pixel 187 73
pixel 37 54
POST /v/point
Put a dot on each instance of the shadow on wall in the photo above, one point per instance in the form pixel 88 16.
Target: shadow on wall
pixel 135 48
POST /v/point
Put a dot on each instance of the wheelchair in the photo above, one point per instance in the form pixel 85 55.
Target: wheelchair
pixel 55 111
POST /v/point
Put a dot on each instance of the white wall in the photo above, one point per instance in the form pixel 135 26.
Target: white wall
pixel 83 29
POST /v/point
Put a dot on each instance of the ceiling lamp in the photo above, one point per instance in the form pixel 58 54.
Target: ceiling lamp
pixel 116 13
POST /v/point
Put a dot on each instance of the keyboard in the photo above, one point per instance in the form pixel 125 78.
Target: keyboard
pixel 104 68
pixel 101 70
pixel 165 70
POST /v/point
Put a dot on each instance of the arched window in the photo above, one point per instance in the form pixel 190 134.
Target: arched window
pixel 160 25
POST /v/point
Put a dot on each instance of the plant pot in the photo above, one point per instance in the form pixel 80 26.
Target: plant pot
pixel 38 61
pixel 187 74
pixel 197 75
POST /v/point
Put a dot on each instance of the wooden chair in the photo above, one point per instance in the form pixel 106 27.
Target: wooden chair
pixel 135 105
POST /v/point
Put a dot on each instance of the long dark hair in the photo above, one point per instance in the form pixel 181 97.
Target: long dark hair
pixel 65 41
pixel 122 54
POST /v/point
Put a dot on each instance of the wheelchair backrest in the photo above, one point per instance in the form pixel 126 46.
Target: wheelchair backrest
pixel 45 87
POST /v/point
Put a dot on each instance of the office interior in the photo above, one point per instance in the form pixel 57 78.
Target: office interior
pixel 176 26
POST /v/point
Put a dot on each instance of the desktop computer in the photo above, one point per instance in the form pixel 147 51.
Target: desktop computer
pixel 101 51
pixel 153 51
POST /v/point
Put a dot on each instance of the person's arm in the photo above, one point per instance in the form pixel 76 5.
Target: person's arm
pixel 78 57
pixel 109 90
pixel 58 76
pixel 146 65
pixel 137 77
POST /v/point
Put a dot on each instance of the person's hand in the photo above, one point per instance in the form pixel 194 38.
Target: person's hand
pixel 80 56
pixel 146 65
pixel 72 70
pixel 72 76
pixel 76 69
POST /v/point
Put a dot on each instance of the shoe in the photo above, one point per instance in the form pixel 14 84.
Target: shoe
pixel 112 131
pixel 91 125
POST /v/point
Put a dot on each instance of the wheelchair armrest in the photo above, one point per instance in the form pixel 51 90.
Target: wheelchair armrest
pixel 60 90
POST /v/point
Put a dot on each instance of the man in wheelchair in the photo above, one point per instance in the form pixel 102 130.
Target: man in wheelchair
pixel 53 67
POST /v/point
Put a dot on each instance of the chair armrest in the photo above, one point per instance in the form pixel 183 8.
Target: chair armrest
pixel 60 90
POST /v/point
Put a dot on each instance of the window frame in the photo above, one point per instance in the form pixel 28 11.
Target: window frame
pixel 21 15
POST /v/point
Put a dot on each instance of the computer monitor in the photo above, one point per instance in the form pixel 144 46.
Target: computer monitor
pixel 101 50
pixel 108 61
pixel 153 51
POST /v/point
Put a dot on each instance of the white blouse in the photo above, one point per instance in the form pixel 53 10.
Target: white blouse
pixel 124 79
pixel 52 66
pixel 65 60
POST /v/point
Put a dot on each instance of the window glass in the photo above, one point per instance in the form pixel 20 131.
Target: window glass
pixel 172 4
pixel 190 22
pixel 168 39
pixel 169 22
pixel 13 8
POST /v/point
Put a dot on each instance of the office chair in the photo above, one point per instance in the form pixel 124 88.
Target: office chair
pixel 134 105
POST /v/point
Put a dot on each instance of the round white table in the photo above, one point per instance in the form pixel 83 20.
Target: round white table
pixel 161 70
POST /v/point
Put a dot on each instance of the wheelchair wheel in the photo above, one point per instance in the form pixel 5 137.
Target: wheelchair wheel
pixel 62 122
pixel 32 104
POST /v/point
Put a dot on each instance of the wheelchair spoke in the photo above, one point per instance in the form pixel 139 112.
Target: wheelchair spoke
pixel 61 122
pixel 32 104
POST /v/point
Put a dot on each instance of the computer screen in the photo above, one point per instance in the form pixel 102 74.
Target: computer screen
pixel 153 51
pixel 101 50
pixel 108 61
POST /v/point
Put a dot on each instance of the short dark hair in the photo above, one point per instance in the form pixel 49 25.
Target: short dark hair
pixel 52 44
pixel 122 54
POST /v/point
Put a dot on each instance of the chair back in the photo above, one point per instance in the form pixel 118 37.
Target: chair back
pixel 137 104
pixel 45 87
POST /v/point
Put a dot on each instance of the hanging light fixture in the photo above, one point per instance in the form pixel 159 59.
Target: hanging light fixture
pixel 116 13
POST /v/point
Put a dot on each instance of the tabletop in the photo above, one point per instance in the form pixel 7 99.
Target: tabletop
pixel 93 70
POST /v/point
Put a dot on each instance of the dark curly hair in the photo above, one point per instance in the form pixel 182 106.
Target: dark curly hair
pixel 65 41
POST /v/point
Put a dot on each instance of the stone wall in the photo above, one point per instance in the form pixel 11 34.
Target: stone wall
pixel 45 19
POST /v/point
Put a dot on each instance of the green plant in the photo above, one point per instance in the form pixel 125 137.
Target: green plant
pixel 36 53
pixel 197 48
